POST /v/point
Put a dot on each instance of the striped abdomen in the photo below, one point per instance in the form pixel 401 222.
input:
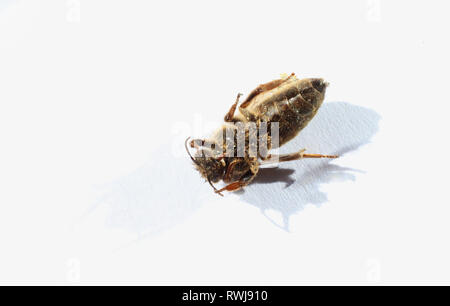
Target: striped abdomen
pixel 293 104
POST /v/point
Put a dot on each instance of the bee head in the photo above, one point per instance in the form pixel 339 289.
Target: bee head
pixel 210 167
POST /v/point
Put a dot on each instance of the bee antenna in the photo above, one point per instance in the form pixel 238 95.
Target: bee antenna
pixel 215 189
pixel 187 150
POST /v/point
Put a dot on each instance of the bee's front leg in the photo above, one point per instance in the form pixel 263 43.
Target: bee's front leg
pixel 243 181
pixel 233 186
pixel 230 115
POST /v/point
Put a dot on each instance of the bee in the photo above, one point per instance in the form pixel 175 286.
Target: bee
pixel 287 104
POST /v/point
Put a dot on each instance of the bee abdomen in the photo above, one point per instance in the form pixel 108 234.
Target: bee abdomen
pixel 294 106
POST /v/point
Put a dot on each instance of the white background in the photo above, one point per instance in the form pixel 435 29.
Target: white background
pixel 96 98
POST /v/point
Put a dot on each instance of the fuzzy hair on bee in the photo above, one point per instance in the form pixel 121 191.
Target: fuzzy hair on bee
pixel 271 115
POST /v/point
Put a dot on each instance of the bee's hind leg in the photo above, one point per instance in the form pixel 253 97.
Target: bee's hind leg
pixel 270 159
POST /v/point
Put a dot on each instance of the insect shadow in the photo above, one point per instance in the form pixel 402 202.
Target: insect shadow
pixel 338 128
pixel 5 3
pixel 155 197
pixel 166 191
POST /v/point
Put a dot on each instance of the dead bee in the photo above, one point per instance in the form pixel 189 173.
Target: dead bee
pixel 287 104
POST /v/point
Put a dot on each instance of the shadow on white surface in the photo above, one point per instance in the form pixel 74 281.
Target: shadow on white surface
pixel 338 128
pixel 165 192
pixel 156 196
pixel 5 3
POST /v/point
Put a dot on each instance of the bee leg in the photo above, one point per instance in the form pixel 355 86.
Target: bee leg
pixel 264 87
pixel 230 168
pixel 243 181
pixel 233 186
pixel 269 159
pixel 319 156
pixel 229 116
